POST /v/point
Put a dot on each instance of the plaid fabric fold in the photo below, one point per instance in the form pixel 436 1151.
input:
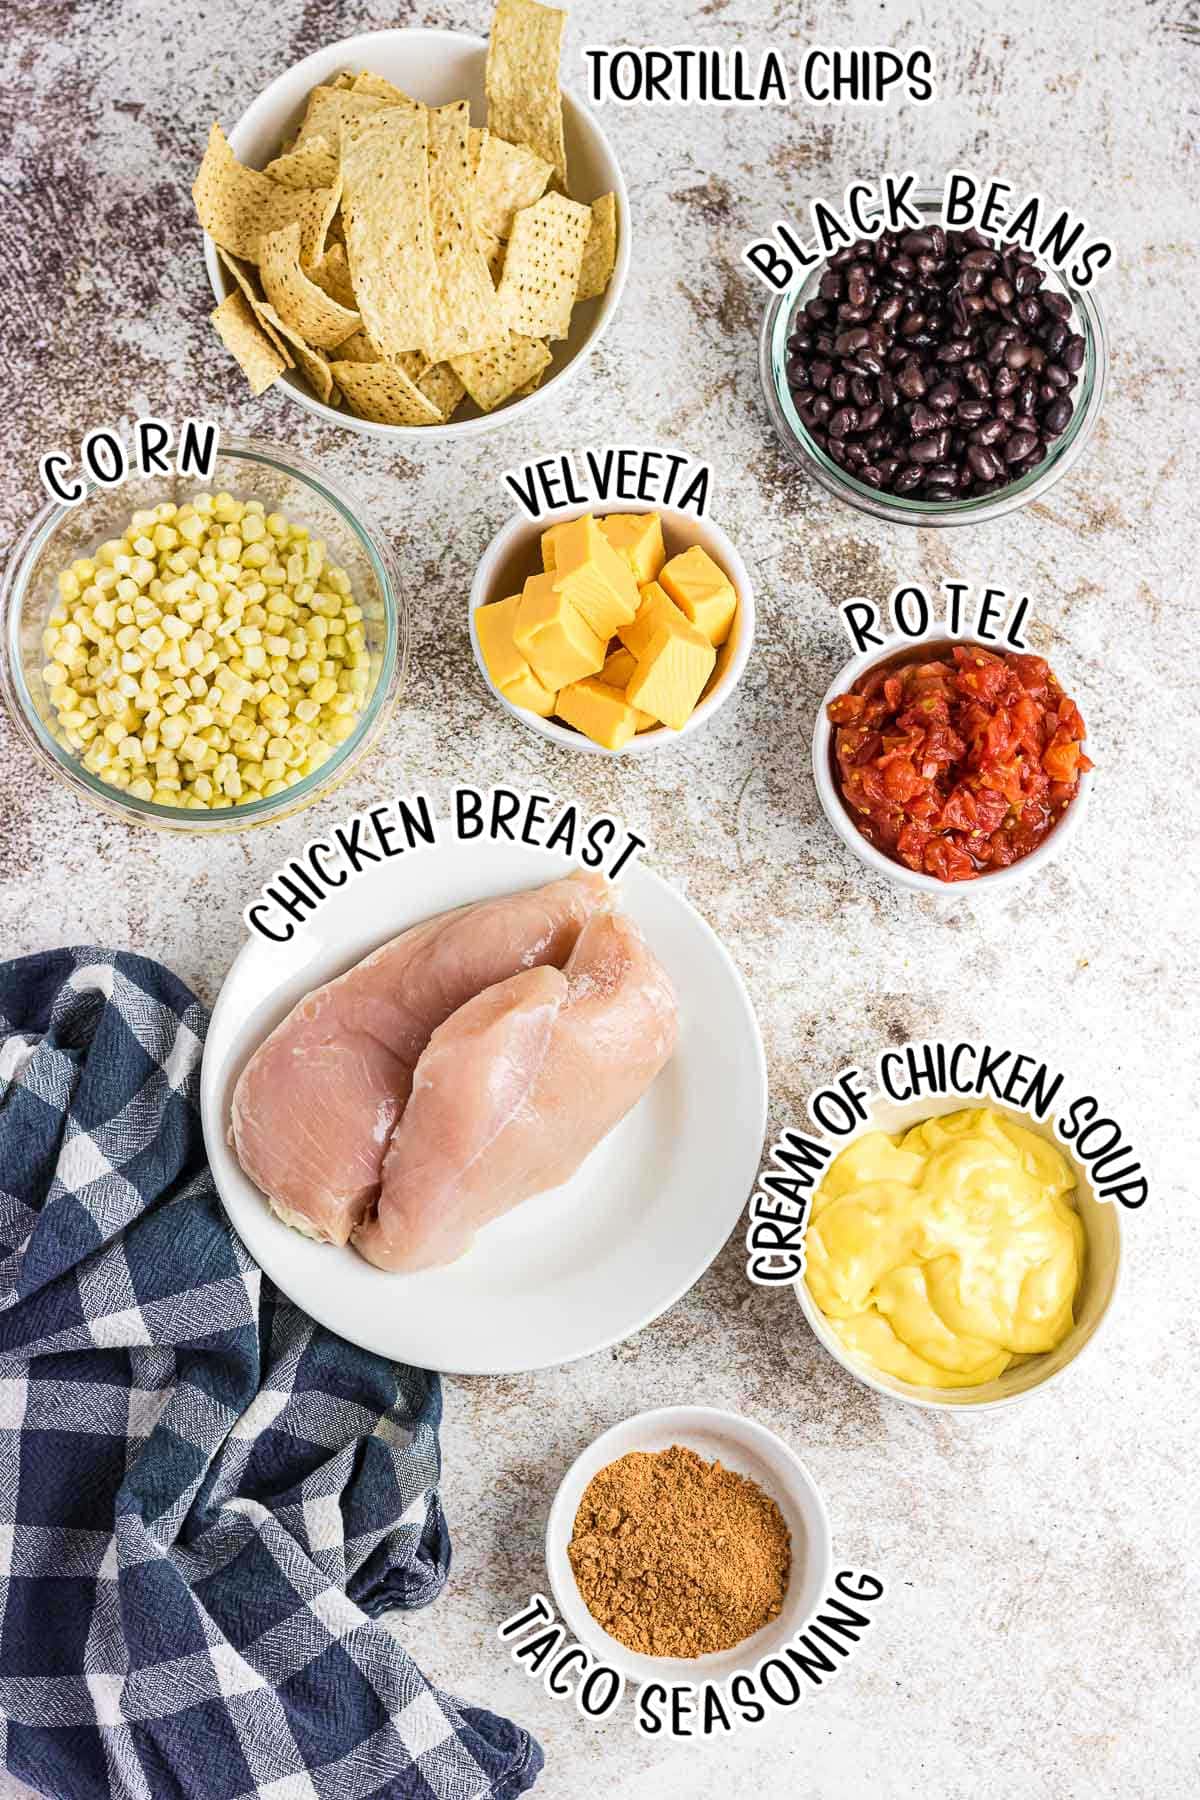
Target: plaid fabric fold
pixel 205 1498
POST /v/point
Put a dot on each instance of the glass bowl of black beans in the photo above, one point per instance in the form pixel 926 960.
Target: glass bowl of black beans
pixel 934 377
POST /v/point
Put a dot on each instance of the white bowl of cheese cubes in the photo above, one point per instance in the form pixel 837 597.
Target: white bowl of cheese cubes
pixel 612 632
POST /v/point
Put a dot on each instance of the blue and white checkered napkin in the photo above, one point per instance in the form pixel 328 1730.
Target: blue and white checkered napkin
pixel 205 1498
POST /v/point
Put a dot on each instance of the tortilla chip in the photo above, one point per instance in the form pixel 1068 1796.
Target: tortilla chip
pixel 332 274
pixel 244 338
pixel 493 252
pixel 358 348
pixel 331 108
pixel 389 238
pixel 600 251
pixel 383 392
pixel 313 210
pixel 442 387
pixel 262 309
pixel 521 80
pixel 509 177
pixel 314 165
pixel 465 314
pixel 375 85
pixel 315 367
pixel 491 376
pixel 299 302
pixel 290 345
pixel 476 139
pixel 235 204
pixel 541 269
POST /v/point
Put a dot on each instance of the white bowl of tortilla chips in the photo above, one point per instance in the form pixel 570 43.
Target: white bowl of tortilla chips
pixel 362 218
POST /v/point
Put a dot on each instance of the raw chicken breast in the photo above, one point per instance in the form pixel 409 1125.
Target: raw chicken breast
pixel 505 1105
pixel 314 1108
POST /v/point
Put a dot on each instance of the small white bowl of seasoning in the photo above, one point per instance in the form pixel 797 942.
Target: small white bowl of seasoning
pixel 903 650
pixel 515 553
pixel 1094 1297
pixel 740 1445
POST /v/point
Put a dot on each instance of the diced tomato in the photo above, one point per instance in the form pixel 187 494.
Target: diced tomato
pixel 960 762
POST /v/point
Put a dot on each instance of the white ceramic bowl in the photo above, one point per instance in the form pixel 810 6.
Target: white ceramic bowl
pixel 996 880
pixel 1101 1275
pixel 743 1446
pixel 437 67
pixel 516 552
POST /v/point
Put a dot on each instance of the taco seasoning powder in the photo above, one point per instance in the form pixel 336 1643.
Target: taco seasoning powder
pixel 676 1556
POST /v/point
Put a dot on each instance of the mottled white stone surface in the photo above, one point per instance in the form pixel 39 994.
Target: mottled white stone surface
pixel 1040 1635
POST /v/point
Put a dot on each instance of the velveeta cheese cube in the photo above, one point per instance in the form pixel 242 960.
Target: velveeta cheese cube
pixel 601 712
pixel 548 537
pixel 672 674
pixel 638 538
pixel 506 665
pixel 556 640
pixel 618 671
pixel 655 611
pixel 589 573
pixel 703 591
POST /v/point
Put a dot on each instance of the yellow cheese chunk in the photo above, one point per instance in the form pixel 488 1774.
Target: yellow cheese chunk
pixel 703 591
pixel 619 670
pixel 601 712
pixel 506 665
pixel 548 537
pixel 589 573
pixel 671 675
pixel 556 640
pixel 656 611
pixel 638 538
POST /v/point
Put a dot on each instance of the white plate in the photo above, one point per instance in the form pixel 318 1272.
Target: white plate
pixel 571 1271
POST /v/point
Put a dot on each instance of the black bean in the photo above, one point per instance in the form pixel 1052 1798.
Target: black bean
pixel 910 381
pixel 989 431
pixel 1018 445
pixel 983 463
pixel 924 450
pixel 843 422
pixel 869 417
pixel 945 395
pixel 1058 304
pixel 819 373
pixel 839 387
pixel 969 412
pixel 1072 353
pixel 1056 418
pixel 906 479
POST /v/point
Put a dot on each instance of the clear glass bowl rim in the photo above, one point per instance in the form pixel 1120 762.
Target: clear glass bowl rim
pixel 393 665
pixel 897 508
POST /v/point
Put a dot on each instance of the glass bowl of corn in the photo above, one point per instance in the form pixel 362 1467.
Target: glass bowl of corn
pixel 204 656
